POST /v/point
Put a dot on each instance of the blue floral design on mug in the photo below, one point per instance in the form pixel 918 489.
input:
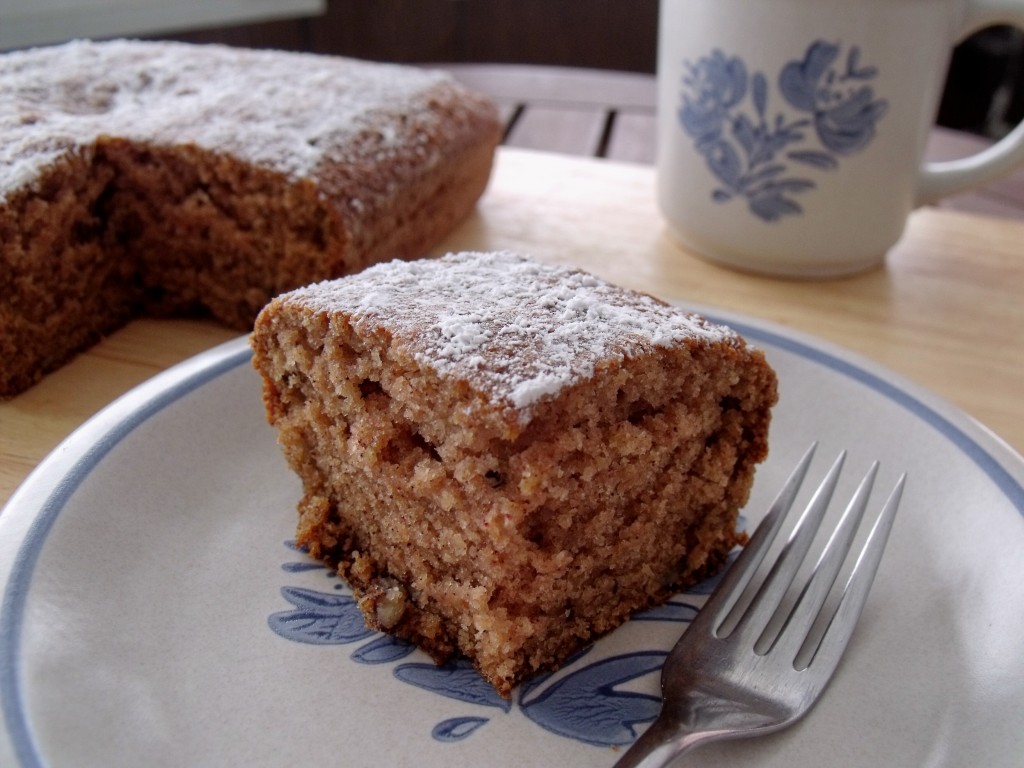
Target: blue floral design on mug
pixel 750 152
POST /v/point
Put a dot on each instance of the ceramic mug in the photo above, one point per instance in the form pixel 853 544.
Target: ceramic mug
pixel 791 133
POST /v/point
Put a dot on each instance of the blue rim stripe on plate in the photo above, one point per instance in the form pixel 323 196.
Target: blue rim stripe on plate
pixel 12 607
pixel 987 463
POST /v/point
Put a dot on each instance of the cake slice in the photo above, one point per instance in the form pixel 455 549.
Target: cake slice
pixel 505 459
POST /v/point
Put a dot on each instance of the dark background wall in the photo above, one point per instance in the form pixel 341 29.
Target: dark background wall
pixel 608 34
pixel 984 94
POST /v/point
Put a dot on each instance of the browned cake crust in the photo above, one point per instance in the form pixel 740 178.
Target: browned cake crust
pixel 168 178
pixel 505 459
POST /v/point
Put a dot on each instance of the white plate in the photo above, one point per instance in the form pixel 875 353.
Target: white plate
pixel 153 613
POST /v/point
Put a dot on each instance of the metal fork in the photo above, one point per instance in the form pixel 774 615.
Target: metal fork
pixel 750 668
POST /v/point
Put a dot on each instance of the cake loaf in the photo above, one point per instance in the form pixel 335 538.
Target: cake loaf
pixel 506 459
pixel 151 177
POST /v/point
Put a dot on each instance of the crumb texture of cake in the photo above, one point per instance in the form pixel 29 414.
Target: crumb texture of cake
pixel 156 177
pixel 505 459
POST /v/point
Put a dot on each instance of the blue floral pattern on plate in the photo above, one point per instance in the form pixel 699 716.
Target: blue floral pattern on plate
pixel 832 113
pixel 584 701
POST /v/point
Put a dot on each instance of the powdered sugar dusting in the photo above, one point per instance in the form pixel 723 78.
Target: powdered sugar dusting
pixel 516 328
pixel 289 112
pixel 462 334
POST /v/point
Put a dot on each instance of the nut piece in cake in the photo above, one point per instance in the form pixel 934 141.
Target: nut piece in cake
pixel 506 459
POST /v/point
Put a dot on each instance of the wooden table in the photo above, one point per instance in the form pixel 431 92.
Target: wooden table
pixel 946 312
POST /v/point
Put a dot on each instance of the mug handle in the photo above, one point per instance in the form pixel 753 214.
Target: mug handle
pixel 938 180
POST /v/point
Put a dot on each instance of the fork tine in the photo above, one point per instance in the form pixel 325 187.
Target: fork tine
pixel 779 579
pixel 736 578
pixel 855 593
pixel 716 688
pixel 794 632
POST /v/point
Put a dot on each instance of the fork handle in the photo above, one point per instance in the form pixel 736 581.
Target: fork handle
pixel 660 744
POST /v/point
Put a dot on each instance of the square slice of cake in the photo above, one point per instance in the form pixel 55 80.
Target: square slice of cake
pixel 505 459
